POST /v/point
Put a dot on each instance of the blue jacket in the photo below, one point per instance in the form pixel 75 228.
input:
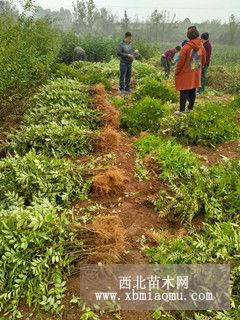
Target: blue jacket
pixel 123 50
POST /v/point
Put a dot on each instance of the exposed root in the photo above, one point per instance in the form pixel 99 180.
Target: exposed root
pixel 109 139
pixel 143 134
pixel 155 236
pixel 110 113
pixel 110 240
pixel 99 89
pixel 151 164
pixel 109 182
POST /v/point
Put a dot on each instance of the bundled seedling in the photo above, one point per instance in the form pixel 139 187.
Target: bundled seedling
pixel 82 116
pixel 156 89
pixel 108 69
pixel 22 180
pixel 210 124
pixel 145 70
pixel 235 104
pixel 225 79
pixel 60 101
pixel 38 247
pixel 63 92
pixel 174 161
pixel 213 193
pixel 52 139
pixel 215 244
pixel 90 73
pixel 144 115
pixel 192 189
pixel 59 122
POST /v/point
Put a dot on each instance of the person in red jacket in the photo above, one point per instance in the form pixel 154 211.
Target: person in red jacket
pixel 168 59
pixel 188 70
pixel 208 47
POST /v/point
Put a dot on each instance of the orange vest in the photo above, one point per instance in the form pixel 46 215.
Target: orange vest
pixel 189 67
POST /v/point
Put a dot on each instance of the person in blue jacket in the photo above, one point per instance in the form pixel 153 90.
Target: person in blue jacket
pixel 125 53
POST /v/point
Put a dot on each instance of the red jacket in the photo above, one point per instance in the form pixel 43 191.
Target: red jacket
pixel 208 47
pixel 189 67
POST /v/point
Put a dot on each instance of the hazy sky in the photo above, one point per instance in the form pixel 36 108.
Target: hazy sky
pixel 195 10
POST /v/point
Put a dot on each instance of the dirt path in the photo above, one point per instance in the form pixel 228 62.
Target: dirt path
pixel 130 203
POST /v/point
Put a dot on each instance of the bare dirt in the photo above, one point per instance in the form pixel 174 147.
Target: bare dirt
pixel 11 114
pixel 211 156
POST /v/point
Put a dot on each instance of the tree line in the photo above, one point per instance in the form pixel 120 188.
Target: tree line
pixel 159 26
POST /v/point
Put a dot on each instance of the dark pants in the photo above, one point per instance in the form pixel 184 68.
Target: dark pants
pixel 166 65
pixel 125 76
pixel 187 95
pixel 203 79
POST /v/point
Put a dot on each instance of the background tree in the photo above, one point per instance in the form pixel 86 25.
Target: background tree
pixel 92 14
pixel 80 15
pixel 105 22
pixel 125 22
pixel 6 7
pixel 233 29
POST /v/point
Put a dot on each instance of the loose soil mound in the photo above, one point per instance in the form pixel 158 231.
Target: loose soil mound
pixel 109 182
pixel 110 113
pixel 109 139
pixel 110 239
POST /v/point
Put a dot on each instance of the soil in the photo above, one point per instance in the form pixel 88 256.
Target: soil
pixel 11 113
pixel 211 156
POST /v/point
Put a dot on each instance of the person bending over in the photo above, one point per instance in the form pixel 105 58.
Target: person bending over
pixel 168 59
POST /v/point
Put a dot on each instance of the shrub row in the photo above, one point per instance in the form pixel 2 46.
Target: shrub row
pixel 60 132
pixel 193 189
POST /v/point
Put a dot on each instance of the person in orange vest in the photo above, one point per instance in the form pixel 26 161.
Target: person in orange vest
pixel 188 70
